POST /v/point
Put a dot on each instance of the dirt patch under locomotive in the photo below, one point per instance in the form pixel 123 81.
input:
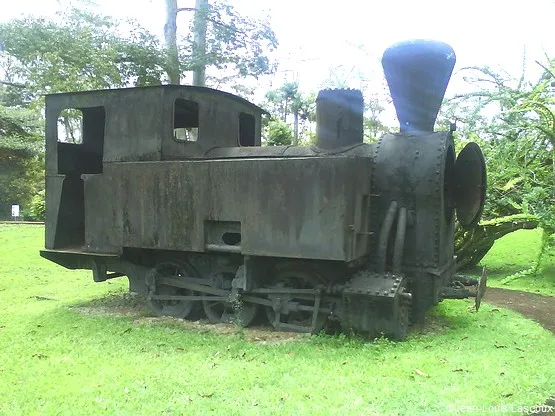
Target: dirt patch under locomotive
pixel 533 306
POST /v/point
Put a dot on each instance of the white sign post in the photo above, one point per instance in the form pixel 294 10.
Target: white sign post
pixel 15 212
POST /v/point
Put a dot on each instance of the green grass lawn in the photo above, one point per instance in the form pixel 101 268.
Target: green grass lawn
pixel 516 252
pixel 64 352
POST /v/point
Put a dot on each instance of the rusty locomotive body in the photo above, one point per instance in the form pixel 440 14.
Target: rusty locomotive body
pixel 170 186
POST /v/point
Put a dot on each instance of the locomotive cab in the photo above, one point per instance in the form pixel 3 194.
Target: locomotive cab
pixel 87 131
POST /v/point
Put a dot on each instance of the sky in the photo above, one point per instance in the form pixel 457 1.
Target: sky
pixel 318 38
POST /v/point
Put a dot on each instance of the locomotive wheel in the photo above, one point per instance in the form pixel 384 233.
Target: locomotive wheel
pixel 218 311
pixel 242 313
pixel 297 278
pixel 176 308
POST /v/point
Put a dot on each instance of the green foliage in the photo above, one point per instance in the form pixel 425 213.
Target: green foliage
pixel 279 134
pixel 513 263
pixel 308 138
pixel 38 206
pixel 373 126
pixel 236 46
pixel 19 180
pixel 79 51
pixel 545 249
pixel 21 158
pixel 287 101
pixel 472 245
pixel 514 123
pixel 237 42
pixel 19 124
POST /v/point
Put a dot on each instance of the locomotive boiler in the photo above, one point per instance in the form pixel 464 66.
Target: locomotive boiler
pixel 170 186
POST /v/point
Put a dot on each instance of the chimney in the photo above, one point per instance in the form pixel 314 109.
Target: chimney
pixel 417 73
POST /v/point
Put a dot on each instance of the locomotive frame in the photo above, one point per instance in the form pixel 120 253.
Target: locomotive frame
pixel 169 186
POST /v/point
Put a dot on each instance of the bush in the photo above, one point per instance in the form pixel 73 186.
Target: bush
pixel 38 206
pixel 279 134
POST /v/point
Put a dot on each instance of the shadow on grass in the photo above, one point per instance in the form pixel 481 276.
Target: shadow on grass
pixel 132 306
pixel 452 315
pixel 115 304
pixel 442 319
pixel 548 271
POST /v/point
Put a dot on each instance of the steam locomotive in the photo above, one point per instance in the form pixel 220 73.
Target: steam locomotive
pixel 169 186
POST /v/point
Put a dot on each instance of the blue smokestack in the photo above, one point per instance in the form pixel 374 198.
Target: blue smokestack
pixel 417 73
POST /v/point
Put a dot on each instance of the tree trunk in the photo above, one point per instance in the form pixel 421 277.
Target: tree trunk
pixel 170 37
pixel 472 246
pixel 199 49
pixel 296 127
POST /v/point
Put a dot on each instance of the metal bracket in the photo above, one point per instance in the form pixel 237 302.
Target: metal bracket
pixel 240 280
pixel 248 273
pixel 456 293
pixel 100 272
pixel 316 311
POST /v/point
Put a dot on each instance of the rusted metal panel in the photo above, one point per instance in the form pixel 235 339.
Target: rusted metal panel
pixel 54 185
pixel 299 207
pixel 103 213
pixel 128 140
pixel 125 138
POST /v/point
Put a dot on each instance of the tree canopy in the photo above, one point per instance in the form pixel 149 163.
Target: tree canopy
pixel 293 110
pixel 233 47
pixel 79 51
pixel 82 51
pixel 21 150
pixel 514 122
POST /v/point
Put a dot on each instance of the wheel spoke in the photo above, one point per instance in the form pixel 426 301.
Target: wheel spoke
pixel 211 304
pixel 176 308
pixel 298 279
